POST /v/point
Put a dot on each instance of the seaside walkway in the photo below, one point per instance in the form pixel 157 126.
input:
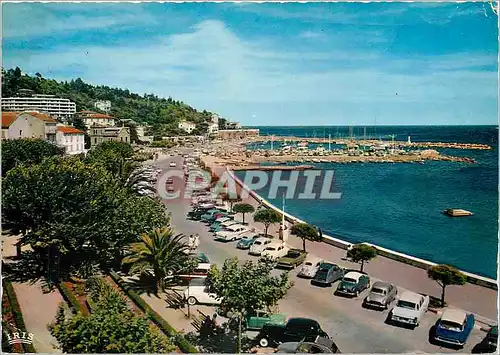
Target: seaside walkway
pixel 473 298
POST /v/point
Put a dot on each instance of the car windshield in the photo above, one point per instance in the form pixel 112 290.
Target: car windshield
pixel 349 281
pixel 379 291
pixel 271 248
pixel 406 304
pixel 455 327
pixel 257 242
pixel 321 274
pixel 293 254
pixel 308 263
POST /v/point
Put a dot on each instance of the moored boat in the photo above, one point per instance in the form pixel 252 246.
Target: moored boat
pixel 457 212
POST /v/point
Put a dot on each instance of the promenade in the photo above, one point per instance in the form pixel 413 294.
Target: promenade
pixel 344 319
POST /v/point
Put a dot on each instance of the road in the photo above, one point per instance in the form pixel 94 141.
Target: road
pixel 353 328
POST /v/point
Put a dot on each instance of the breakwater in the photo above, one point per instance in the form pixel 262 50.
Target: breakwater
pixel 373 142
pixel 270 167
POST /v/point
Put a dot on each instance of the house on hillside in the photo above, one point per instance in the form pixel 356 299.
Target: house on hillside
pixel 187 126
pixel 99 134
pixel 71 139
pixel 93 118
pixel 32 124
pixel 213 128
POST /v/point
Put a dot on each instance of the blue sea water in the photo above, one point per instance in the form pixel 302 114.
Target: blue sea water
pixel 398 206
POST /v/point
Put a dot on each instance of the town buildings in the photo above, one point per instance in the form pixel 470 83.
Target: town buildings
pixel 213 128
pixel 99 134
pixel 71 139
pixel 237 133
pixel 103 105
pixel 187 126
pixel 55 107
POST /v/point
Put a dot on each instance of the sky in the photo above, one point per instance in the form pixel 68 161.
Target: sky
pixel 274 63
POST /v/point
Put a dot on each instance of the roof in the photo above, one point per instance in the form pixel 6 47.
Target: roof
pixel 40 116
pixel 454 315
pixel 381 284
pixel 353 275
pixel 8 118
pixel 100 115
pixel 69 130
pixel 410 296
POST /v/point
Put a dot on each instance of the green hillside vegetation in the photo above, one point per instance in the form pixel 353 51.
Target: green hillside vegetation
pixel 162 114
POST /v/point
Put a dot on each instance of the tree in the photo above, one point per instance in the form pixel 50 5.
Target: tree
pixel 446 275
pixel 75 212
pixel 232 283
pixel 158 253
pixel 361 253
pixel 306 232
pixel 111 327
pixel 26 151
pixel 266 216
pixel 231 198
pixel 123 149
pixel 243 208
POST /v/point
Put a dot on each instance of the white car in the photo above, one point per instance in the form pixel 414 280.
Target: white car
pixel 197 293
pixel 310 267
pixel 259 245
pixel 172 164
pixel 231 233
pixel 274 251
pixel 410 308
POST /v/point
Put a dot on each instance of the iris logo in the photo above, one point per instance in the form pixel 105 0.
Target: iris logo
pixel 19 337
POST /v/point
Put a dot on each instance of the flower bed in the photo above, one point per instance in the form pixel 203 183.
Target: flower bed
pixel 74 295
pixel 12 312
pixel 180 341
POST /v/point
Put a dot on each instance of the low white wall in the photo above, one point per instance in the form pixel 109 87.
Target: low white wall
pixel 394 255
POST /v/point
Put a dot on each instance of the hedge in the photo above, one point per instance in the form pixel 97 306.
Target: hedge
pixel 180 341
pixel 16 311
pixel 71 299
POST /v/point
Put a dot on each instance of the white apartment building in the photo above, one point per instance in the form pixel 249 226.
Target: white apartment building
pixel 71 139
pixel 215 118
pixel 187 126
pixel 48 104
pixel 103 105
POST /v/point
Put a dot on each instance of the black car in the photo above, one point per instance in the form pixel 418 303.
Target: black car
pixel 295 330
pixel 327 274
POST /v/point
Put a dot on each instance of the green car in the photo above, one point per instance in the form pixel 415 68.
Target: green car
pixel 293 258
pixel 257 321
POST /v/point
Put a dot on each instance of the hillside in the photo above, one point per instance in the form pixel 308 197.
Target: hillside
pixel 162 114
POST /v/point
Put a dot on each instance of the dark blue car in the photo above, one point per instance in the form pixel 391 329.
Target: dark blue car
pixel 454 327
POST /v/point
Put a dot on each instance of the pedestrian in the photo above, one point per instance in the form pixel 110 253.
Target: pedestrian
pixel 190 241
pixel 196 241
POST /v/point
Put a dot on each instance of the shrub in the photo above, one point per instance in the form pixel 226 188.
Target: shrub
pixel 70 298
pixel 180 341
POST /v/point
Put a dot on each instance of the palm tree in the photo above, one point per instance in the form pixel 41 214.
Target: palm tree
pixel 159 253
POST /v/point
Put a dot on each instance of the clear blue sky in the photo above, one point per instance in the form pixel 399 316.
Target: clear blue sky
pixel 274 64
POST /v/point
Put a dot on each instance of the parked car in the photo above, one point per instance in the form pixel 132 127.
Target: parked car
pixel 259 245
pixel 209 214
pixel 352 284
pixel 222 226
pixel 381 295
pixel 215 216
pixel 409 309
pixel 327 274
pixel 219 221
pixel 454 327
pixel 292 259
pixel 198 293
pixel 310 267
pixel 294 330
pixel 491 339
pixel 257 320
pixel 247 240
pixel 231 233
pixel 274 251
pixel 310 345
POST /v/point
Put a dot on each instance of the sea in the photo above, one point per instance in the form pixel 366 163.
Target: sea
pixel 399 206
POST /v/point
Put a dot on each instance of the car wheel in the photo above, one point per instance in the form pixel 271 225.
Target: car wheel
pixel 263 342
pixel 356 294
pixel 192 301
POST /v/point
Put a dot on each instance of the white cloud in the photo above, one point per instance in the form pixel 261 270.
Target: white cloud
pixel 210 67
